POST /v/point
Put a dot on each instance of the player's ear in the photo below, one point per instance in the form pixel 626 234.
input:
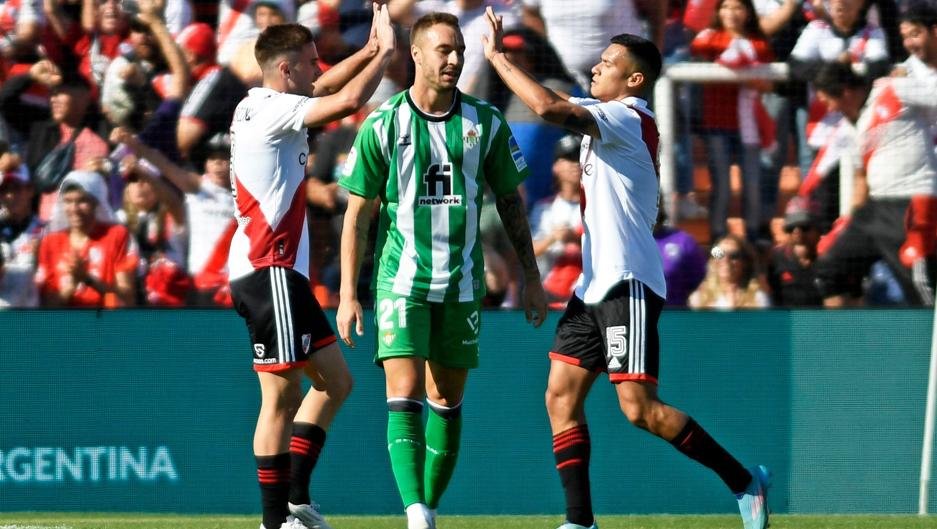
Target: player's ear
pixel 636 80
pixel 416 54
pixel 283 66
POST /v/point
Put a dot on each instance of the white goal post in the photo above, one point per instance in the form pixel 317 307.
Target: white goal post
pixel 664 101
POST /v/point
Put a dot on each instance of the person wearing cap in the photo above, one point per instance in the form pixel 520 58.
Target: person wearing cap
pixel 557 225
pixel 791 265
pixel 216 92
pixel 20 230
pixel 86 259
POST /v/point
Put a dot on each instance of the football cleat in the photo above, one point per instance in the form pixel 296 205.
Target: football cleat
pixel 753 503
pixel 570 525
pixel 290 523
pixel 419 516
pixel 308 516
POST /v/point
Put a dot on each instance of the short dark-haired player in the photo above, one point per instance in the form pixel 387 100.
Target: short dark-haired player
pixel 427 154
pixel 610 324
pixel 269 257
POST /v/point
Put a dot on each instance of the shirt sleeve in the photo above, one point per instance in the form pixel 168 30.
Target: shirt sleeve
pixel 286 113
pixel 505 166
pixel 807 47
pixel 617 122
pixel 914 92
pixel 366 167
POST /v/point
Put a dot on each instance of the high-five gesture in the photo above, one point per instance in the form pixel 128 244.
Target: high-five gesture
pixel 384 30
pixel 493 43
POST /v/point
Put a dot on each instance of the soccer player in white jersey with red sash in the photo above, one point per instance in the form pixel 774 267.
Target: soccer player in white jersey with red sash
pixel 610 324
pixel 269 257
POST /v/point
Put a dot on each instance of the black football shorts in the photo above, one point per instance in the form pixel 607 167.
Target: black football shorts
pixel 617 335
pixel 285 321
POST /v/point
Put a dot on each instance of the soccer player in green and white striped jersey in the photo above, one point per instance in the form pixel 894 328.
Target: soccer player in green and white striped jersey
pixel 427 154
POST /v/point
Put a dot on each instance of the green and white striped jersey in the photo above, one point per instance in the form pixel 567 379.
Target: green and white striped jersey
pixel 431 172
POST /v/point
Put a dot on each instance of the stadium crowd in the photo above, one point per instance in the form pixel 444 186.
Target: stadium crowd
pixel 114 171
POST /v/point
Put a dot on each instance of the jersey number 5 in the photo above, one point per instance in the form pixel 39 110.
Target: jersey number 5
pixel 616 340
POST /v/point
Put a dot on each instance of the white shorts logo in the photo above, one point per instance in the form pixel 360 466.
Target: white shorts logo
pixel 259 350
pixel 307 341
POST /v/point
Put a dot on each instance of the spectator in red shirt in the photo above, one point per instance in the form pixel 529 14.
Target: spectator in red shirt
pixel 730 124
pixel 86 260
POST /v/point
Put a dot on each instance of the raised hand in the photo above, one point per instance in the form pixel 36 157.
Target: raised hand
pixel 151 8
pixel 45 72
pixel 384 30
pixel 492 44
pixel 373 44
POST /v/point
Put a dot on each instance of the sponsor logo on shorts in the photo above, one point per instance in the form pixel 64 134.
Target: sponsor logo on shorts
pixel 259 350
pixel 473 322
pixel 307 341
pixel 473 341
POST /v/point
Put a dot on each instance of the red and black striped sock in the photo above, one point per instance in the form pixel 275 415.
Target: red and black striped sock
pixel 572 449
pixel 695 443
pixel 305 446
pixel 273 474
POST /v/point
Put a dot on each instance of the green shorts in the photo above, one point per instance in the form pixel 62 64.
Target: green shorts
pixel 446 333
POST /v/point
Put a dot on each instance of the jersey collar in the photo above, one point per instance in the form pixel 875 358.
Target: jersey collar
pixel 456 103
pixel 634 101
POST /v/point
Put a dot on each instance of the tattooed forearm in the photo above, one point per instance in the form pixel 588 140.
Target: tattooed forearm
pixel 514 218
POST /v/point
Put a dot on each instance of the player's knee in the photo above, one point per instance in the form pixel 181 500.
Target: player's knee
pixel 559 401
pixel 636 412
pixel 285 403
pixel 339 388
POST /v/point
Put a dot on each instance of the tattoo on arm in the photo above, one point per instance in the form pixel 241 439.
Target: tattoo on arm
pixel 514 218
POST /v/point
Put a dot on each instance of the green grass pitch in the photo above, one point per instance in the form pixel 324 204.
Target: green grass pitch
pixel 158 521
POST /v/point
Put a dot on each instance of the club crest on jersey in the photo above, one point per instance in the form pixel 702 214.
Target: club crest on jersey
pixel 437 181
pixel 519 162
pixel 472 136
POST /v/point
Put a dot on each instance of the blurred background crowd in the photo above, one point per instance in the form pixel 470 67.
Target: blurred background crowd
pixel 115 186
